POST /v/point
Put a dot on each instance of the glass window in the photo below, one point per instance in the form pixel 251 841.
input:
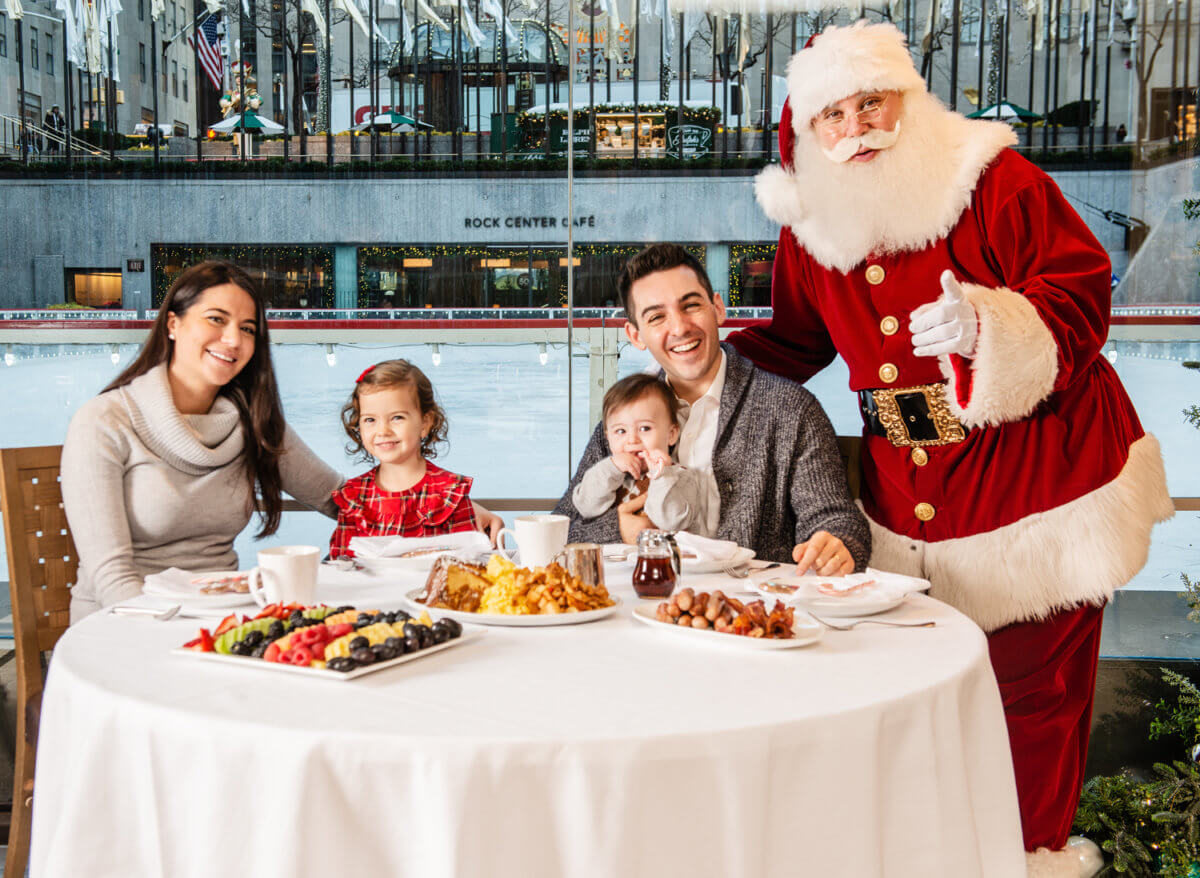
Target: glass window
pixel 33 47
pixel 175 78
pixel 94 287
pixel 142 61
pixel 183 79
pixel 3 35
pixel 141 10
pixel 291 277
pixel 50 54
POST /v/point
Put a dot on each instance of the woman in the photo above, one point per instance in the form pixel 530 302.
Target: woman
pixel 163 468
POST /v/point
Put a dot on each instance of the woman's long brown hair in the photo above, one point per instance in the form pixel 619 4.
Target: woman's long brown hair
pixel 253 391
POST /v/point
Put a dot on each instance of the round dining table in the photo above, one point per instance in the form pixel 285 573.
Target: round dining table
pixel 612 748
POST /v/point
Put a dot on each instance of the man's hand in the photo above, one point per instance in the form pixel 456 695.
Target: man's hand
pixel 947 326
pixel 487 522
pixel 630 464
pixel 656 462
pixel 824 554
pixel 632 520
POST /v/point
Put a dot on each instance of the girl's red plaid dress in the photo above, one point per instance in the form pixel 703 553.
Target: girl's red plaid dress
pixel 438 504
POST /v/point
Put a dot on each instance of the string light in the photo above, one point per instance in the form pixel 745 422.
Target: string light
pixel 738 255
pixel 114 354
pixel 1112 357
pixel 9 356
pixel 437 354
pixel 543 356
pixel 330 356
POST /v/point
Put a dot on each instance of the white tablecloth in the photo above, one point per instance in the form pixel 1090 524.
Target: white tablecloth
pixel 605 749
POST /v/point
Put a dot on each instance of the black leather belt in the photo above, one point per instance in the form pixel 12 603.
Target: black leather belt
pixel 911 416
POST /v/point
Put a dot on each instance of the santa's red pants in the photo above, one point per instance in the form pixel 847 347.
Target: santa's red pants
pixel 1047 676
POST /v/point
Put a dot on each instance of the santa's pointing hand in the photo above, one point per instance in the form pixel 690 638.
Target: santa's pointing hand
pixel 947 326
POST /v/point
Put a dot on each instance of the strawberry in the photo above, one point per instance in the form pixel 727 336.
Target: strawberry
pixel 269 610
pixel 272 653
pixel 226 624
pixel 336 631
pixel 206 641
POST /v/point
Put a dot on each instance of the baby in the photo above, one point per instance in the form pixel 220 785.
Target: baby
pixel 640 424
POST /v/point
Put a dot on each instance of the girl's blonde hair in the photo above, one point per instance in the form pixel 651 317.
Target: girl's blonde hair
pixel 387 375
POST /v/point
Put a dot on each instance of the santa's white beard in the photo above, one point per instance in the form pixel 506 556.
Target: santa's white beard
pixel 874 138
pixel 892 202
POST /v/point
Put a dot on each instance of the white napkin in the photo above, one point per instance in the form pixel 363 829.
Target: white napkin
pixel 705 549
pixel 883 585
pixel 391 547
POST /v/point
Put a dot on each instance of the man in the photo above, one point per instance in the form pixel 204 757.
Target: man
pixel 1002 458
pixel 55 124
pixel 777 476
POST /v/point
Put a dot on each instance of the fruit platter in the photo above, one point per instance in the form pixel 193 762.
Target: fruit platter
pixel 334 642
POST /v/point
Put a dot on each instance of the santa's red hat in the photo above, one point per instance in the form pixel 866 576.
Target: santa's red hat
pixel 840 62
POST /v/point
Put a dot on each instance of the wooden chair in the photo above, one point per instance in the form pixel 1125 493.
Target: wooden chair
pixel 42 567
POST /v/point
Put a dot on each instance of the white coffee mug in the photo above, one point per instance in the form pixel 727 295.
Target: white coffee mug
pixel 539 538
pixel 285 574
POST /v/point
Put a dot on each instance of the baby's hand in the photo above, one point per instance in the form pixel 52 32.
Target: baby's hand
pixel 628 463
pixel 656 462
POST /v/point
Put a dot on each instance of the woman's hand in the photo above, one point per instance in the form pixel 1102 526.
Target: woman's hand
pixel 487 522
pixel 632 520
pixel 825 554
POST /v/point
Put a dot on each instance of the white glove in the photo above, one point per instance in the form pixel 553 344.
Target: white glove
pixel 947 326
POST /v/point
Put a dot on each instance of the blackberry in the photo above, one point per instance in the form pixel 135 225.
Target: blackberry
pixel 253 639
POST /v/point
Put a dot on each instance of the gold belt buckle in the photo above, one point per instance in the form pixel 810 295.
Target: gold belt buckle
pixel 949 430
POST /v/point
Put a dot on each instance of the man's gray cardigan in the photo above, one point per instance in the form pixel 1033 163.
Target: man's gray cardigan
pixel 778 470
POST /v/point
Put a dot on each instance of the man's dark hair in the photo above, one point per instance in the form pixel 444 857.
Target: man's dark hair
pixel 653 259
pixel 634 387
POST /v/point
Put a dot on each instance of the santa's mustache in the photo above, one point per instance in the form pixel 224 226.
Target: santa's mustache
pixel 848 147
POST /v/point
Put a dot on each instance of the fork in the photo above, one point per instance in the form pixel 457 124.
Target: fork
pixel 741 571
pixel 851 625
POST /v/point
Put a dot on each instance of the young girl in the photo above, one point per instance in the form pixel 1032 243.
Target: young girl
pixel 392 417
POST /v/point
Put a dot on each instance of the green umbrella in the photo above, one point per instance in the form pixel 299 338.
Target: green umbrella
pixel 395 121
pixel 1005 110
pixel 253 122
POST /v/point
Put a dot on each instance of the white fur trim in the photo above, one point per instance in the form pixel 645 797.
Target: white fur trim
pixel 842 61
pixel 779 195
pixel 1077 553
pixel 910 196
pixel 1045 863
pixel 1016 359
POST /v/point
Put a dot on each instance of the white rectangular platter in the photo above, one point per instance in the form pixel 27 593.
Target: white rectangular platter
pixel 469 633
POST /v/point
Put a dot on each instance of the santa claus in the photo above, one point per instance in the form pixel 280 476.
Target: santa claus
pixel 1002 459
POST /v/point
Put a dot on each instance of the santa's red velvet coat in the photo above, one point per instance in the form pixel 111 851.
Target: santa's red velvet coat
pixel 1050 499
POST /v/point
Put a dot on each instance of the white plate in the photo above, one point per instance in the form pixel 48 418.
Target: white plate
pixel 891 590
pixel 539 621
pixel 417 564
pixel 620 553
pixel 807 631
pixel 468 634
pixel 191 600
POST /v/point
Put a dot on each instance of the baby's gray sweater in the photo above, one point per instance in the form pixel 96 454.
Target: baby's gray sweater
pixel 146 488
pixel 676 500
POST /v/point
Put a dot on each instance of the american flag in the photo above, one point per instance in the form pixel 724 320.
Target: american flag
pixel 209 52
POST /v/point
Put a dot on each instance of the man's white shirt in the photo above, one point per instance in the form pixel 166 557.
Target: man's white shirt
pixel 698 437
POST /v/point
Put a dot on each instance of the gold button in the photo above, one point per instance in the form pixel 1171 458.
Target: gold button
pixel 888 373
pixel 923 511
pixel 888 325
pixel 875 274
pixel 920 456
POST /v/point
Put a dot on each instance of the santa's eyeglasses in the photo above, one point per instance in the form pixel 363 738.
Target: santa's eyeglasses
pixel 832 119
